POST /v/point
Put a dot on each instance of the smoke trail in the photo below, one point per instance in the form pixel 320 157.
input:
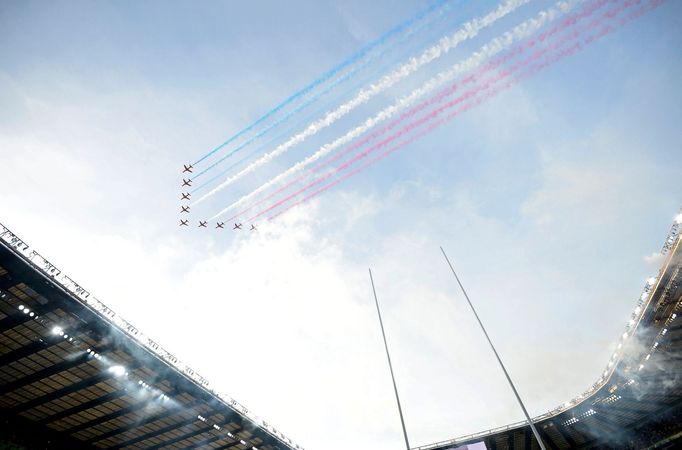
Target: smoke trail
pixel 348 75
pixel 492 48
pixel 586 12
pixel 338 99
pixel 351 60
pixel 469 30
pixel 411 126
pixel 558 56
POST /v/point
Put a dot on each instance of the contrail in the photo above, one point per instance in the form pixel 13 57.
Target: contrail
pixel 564 24
pixel 469 30
pixel 472 93
pixel 330 87
pixel 652 4
pixel 490 49
pixel 349 61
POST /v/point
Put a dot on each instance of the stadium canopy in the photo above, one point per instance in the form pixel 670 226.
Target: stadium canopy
pixel 637 400
pixel 74 375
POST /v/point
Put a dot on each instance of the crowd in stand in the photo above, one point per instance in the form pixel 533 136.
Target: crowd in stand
pixel 663 433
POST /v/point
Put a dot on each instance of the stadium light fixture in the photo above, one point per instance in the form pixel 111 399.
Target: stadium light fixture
pixel 678 219
pixel 21 307
pixel 651 280
pixel 58 330
pixel 118 371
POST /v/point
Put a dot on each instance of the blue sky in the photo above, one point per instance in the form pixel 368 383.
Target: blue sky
pixel 551 198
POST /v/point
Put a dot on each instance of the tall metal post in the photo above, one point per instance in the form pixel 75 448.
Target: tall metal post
pixel 506 374
pixel 390 366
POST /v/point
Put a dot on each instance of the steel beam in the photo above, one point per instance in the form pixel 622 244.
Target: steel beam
pixel 136 424
pixel 84 406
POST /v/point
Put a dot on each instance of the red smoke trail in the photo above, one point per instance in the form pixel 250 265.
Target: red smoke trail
pixel 569 21
pixel 467 95
pixel 652 4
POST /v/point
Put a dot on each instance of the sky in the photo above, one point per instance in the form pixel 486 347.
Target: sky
pixel 551 199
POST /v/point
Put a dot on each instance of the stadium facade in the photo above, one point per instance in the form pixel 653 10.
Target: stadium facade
pixel 75 375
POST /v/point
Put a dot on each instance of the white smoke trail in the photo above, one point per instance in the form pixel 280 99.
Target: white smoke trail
pixel 467 31
pixel 493 47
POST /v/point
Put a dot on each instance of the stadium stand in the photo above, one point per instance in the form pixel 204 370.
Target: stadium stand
pixel 74 375
pixel 637 401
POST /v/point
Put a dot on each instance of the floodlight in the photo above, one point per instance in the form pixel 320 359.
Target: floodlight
pixel 117 370
pixel 57 330
pixel 678 219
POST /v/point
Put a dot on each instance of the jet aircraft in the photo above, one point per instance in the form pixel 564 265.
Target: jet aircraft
pixel 185 209
pixel 187 168
pixel 220 225
pixel 184 223
pixel 202 224
pixel 185 196
pixel 186 182
pixel 253 227
pixel 237 226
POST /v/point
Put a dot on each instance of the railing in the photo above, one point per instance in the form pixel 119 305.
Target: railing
pixel 109 315
pixel 641 306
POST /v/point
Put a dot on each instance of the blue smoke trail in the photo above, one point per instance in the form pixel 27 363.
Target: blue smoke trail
pixel 434 32
pixel 315 97
pixel 355 57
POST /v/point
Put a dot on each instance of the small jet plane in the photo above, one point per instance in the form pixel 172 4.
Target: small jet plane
pixel 185 196
pixel 186 182
pixel 185 209
pixel 184 223
pixel 253 227
pixel 237 226
pixel 220 225
pixel 187 168
pixel 202 224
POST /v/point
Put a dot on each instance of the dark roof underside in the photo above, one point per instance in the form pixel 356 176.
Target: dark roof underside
pixel 88 385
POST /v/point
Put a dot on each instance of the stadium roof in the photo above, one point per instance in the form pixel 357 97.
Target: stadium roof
pixel 639 391
pixel 75 373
